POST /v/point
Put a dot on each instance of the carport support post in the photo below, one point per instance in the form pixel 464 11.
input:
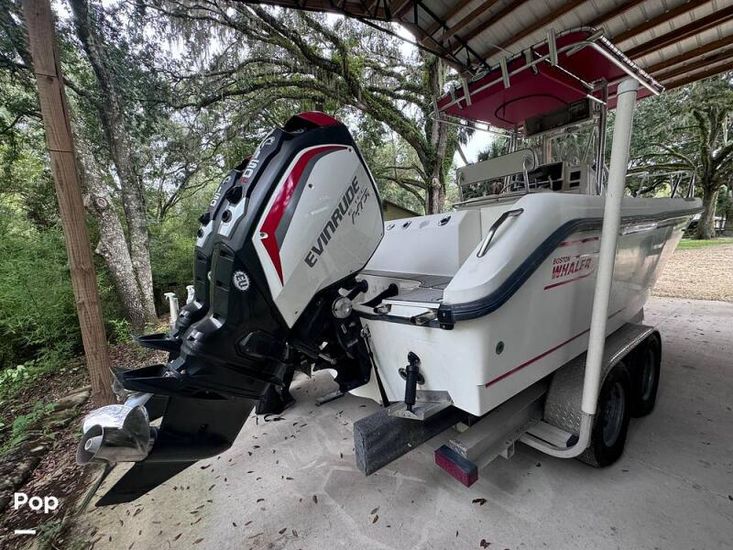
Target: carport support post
pixel 55 112
pixel 626 99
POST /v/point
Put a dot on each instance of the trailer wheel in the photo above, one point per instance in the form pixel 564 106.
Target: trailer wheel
pixel 646 377
pixel 612 419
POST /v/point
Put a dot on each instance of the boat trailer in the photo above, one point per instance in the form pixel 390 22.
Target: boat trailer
pixel 546 416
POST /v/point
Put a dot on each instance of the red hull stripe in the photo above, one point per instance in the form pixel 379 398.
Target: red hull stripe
pixel 568 281
pixel 541 355
pixel 269 227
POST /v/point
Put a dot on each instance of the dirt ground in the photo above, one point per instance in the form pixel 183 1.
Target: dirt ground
pixel 699 274
pixel 56 473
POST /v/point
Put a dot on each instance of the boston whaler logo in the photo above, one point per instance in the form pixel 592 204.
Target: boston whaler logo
pixel 349 207
pixel 566 269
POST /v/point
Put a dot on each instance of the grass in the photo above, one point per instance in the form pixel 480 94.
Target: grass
pixel 692 244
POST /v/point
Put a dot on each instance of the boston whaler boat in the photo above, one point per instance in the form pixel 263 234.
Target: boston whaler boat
pixel 479 317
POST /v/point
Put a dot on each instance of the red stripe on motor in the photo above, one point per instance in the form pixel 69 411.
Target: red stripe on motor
pixel 318 118
pixel 269 227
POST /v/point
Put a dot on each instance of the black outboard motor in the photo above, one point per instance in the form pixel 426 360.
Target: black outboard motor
pixel 195 311
pixel 280 244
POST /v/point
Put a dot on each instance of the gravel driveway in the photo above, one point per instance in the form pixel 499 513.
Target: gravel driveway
pixel 699 274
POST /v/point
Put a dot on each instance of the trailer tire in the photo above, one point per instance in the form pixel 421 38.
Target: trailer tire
pixel 645 377
pixel 608 435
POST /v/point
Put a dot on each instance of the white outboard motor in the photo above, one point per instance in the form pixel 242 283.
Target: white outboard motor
pixel 281 243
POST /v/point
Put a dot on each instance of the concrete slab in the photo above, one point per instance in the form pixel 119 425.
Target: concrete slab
pixel 293 483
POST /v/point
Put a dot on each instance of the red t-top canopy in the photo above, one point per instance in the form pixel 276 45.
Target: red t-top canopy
pixel 545 78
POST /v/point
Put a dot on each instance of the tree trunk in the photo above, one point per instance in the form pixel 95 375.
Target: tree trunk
pixel 55 109
pixel 133 203
pixel 113 121
pixel 728 229
pixel 436 197
pixel 112 246
pixel 706 226
pixel 438 137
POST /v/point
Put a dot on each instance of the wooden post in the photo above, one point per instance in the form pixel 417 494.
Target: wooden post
pixel 55 111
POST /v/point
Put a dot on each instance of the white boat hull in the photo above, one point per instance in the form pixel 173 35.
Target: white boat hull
pixel 544 322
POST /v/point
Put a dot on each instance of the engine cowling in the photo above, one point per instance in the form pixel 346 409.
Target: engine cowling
pixel 284 236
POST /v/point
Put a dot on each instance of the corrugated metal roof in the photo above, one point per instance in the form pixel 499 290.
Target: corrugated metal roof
pixel 677 41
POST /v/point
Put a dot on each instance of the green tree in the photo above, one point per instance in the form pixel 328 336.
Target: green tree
pixel 689 130
pixel 268 56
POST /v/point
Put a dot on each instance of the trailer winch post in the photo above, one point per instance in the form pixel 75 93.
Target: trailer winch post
pixel 626 100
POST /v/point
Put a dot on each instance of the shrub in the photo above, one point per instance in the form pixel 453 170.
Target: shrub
pixel 36 300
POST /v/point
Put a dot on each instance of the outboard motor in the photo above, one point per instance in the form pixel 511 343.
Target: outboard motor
pixel 281 243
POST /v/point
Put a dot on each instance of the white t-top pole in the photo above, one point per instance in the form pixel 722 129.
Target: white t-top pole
pixel 626 99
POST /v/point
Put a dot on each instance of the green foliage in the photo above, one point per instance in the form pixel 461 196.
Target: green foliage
pixel 36 300
pixel 685 130
pixel 692 244
pixel 172 243
pixel 13 377
pixel 13 380
pixel 119 331
pixel 23 424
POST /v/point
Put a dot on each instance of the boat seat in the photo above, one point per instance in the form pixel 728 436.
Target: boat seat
pixel 518 162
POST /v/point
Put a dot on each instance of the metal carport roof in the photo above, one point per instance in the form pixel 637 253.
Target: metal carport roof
pixel 676 41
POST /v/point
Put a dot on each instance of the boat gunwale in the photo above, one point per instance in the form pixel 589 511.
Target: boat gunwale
pixel 449 314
